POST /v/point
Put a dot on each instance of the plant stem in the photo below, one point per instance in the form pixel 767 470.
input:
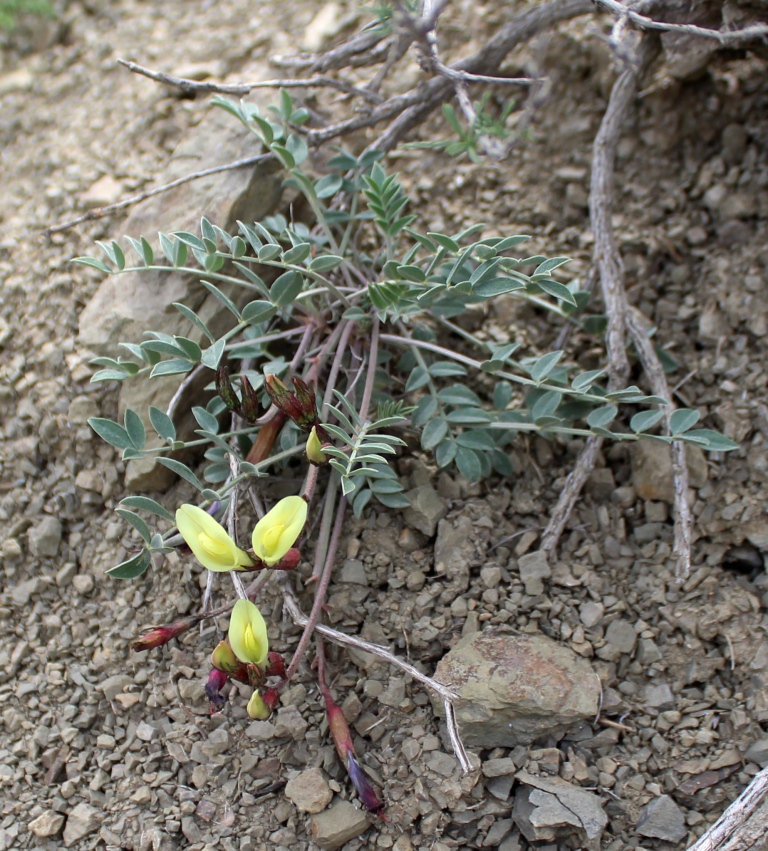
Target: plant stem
pixel 320 592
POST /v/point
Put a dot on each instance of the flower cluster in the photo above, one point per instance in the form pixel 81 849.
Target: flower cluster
pixel 272 540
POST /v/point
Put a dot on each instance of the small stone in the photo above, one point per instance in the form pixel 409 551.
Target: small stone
pixel 499 767
pixel 659 697
pixel 758 752
pixel 105 191
pixel 260 731
pixel 83 583
pixel 533 568
pixel 16 81
pixel 310 791
pixel 49 823
pixel 662 819
pixel 415 580
pixel 12 550
pixel 338 824
pixel 146 732
pixel 206 810
pixel 143 795
pixel 497 833
pixel 600 484
pixel 65 573
pixel 45 537
pixel 426 509
pixel 81 822
pixel 353 571
pixel 81 408
pixel 648 652
pixel 112 686
pixel 620 639
pixel 407 541
pixel 191 831
pixel 326 23
pixel 290 724
pixel 22 593
pixel 591 613
pixel 216 743
pixel 734 141
pixel 647 532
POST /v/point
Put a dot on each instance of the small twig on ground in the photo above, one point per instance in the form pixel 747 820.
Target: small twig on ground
pixel 734 819
pixel 724 37
pixel 194 86
pixel 100 212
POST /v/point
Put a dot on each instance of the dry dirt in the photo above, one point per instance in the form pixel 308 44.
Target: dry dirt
pixel 686 668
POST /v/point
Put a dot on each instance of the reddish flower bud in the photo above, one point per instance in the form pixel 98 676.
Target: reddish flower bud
pixel 216 682
pixel 271 697
pixel 289 561
pixel 225 390
pixel 159 635
pixel 275 665
pixel 250 408
pixel 365 791
pixel 282 398
pixel 306 399
pixel 255 675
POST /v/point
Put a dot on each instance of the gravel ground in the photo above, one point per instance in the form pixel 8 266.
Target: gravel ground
pixel 101 748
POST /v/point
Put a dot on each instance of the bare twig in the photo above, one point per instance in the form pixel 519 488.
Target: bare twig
pixel 655 372
pixel 724 37
pixel 735 817
pixel 570 493
pixel 100 212
pixel 194 86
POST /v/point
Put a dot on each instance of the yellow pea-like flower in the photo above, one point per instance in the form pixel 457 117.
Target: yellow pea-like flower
pixel 248 634
pixel 209 541
pixel 278 529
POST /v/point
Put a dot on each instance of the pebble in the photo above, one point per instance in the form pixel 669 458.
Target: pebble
pixel 81 408
pixel 662 819
pixel 338 824
pixel 533 568
pixel 309 791
pixel 146 732
pixel 113 686
pixel 260 731
pixel 499 767
pixel 620 639
pixel 426 509
pixel 353 571
pixel 758 752
pixel 81 822
pixel 45 537
pixel 49 823
pixel 105 191
pixel 659 696
pixel 83 583
pixel 290 724
pixel 22 593
pixel 16 81
pixel 591 613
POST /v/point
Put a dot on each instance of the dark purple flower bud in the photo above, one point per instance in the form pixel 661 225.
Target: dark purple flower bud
pixel 216 682
pixel 250 408
pixel 225 390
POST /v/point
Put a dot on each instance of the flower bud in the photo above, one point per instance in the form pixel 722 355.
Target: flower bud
pixel 216 682
pixel 305 396
pixel 225 390
pixel 271 698
pixel 282 398
pixel 224 659
pixel 289 561
pixel 159 635
pixel 275 665
pixel 257 708
pixel 314 448
pixel 250 408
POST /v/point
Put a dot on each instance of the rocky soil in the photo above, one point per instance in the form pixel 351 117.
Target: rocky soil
pixel 102 748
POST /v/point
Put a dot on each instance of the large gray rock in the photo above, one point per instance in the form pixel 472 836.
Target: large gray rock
pixel 552 809
pixel 514 689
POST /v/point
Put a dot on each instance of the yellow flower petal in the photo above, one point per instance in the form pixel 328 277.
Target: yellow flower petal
pixel 278 530
pixel 248 633
pixel 209 541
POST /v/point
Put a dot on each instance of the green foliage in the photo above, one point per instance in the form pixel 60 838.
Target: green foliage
pixel 11 9
pixel 464 399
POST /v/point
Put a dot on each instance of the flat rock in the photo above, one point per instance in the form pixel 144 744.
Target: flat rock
pixel 47 824
pixel 659 696
pixel 309 790
pixel 514 689
pixel 533 568
pixel 652 469
pixel 620 640
pixel 105 191
pixel 453 547
pixel 426 509
pixel 338 824
pixel 82 821
pixel 662 819
pixel 758 752
pixel 553 809
pixel 23 592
